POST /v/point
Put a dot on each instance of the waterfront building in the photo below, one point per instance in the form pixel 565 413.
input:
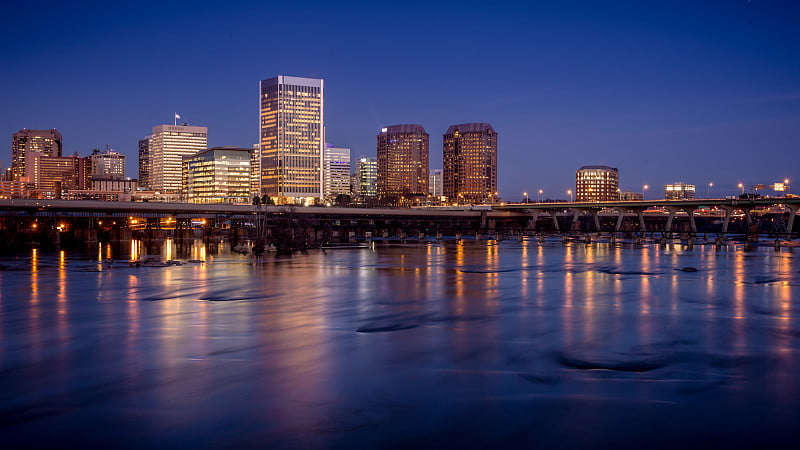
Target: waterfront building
pixel 336 172
pixel 631 196
pixel 292 139
pixel 49 176
pixel 597 184
pixel 436 183
pixel 45 142
pixel 13 189
pixel 218 175
pixel 107 163
pixel 167 147
pixel 679 191
pixel 470 163
pixel 255 171
pixel 114 184
pixel 402 162
pixel 144 162
pixel 365 184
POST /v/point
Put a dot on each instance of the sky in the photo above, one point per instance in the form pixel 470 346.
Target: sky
pixel 691 91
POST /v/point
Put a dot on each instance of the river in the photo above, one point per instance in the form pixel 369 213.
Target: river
pixel 475 345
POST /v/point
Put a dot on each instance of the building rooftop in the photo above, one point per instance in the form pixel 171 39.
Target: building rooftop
pixel 403 128
pixel 599 167
pixel 470 128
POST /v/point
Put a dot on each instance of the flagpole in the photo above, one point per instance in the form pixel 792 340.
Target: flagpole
pixel 175 118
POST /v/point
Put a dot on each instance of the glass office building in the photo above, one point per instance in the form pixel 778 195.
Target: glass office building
pixel 218 175
pixel 402 162
pixel 292 139
pixel 470 163
pixel 167 147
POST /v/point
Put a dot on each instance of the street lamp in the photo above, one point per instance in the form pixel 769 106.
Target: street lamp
pixel 526 196
pixel 708 193
pixel 644 193
pixel 741 186
pixel 540 195
pixel 569 191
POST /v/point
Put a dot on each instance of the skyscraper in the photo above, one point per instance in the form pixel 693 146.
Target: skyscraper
pixel 336 172
pixel 597 184
pixel 144 162
pixel 470 163
pixel 255 170
pixel 46 142
pixel 366 178
pixel 167 147
pixel 292 138
pixel 402 162
pixel 50 176
pixel 107 164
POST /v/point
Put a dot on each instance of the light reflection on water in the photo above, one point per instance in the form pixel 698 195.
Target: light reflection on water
pixel 438 343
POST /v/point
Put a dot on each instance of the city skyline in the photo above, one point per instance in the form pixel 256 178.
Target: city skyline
pixel 697 92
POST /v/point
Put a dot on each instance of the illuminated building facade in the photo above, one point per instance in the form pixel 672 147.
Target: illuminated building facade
pixel 23 142
pixel 470 163
pixel 218 175
pixel 167 147
pixel 631 196
pixel 365 179
pixel 336 172
pixel 49 176
pixel 436 183
pixel 292 139
pixel 597 184
pixel 679 191
pixel 402 162
pixel 144 162
pixel 107 164
pixel 255 170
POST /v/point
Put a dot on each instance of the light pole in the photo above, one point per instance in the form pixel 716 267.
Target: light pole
pixel 540 195
pixel 741 186
pixel 569 191
pixel 708 193
pixel 785 186
pixel 526 197
pixel 644 192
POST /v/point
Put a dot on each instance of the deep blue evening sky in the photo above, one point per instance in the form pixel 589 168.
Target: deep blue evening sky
pixel 692 91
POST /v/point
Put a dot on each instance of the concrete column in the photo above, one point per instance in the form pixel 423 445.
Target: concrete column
pixel 555 219
pixel 642 225
pixel 792 212
pixel 532 221
pixel 668 228
pixel 594 213
pixel 620 218
pixel 727 219
pixel 575 225
pixel 692 224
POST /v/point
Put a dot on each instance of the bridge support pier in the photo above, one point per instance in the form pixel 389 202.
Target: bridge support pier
pixel 575 225
pixel 642 225
pixel 620 218
pixel 792 213
pixel 727 219
pixel 668 227
pixel 555 219
pixel 692 223
pixel 594 212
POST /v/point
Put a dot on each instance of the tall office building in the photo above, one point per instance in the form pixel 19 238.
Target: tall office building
pixel 167 147
pixel 402 162
pixel 218 175
pixel 49 175
pixel 436 183
pixel 255 170
pixel 365 182
pixel 144 162
pixel 597 184
pixel 107 164
pixel 292 138
pixel 336 172
pixel 679 191
pixel 470 163
pixel 46 142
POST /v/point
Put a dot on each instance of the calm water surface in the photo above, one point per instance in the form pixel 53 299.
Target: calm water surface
pixel 472 345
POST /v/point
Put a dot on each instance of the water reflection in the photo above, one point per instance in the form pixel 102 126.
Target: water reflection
pixel 386 345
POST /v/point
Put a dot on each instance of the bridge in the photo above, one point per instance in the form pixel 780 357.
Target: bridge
pixel 727 207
